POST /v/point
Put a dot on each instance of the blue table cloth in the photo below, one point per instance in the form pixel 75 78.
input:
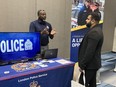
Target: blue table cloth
pixel 37 74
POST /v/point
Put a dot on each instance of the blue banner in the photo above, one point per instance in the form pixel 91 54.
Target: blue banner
pixel 79 14
pixel 77 35
pixel 18 45
pixel 38 74
pixel 51 78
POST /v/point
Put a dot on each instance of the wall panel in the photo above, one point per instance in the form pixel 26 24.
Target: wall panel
pixel 58 14
pixel 15 15
pixel 109 24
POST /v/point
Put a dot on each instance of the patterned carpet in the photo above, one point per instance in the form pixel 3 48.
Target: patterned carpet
pixel 108 63
pixel 105 85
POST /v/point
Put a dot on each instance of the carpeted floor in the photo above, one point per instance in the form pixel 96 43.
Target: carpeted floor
pixel 105 85
pixel 107 75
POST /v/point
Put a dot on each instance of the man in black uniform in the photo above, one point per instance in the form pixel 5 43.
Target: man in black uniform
pixel 45 28
pixel 83 13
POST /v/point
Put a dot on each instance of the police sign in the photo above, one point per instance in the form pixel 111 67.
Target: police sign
pixel 18 45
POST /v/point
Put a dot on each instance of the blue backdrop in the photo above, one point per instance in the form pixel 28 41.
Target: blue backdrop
pixel 77 35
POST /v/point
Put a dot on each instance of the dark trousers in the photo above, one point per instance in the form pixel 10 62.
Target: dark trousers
pixel 90 78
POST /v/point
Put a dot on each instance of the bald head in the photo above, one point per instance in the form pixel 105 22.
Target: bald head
pixel 41 14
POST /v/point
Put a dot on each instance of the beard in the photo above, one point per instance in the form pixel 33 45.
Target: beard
pixel 88 24
pixel 42 18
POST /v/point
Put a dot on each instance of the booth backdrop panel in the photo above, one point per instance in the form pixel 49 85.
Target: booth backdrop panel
pixel 77 35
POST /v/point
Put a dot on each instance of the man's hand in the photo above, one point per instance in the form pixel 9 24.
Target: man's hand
pixel 80 69
pixel 53 32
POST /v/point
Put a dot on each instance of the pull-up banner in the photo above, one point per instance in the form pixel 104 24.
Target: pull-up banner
pixel 77 35
pixel 80 11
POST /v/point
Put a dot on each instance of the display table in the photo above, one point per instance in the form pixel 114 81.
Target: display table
pixel 55 72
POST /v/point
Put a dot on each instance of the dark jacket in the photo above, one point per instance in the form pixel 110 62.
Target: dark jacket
pixel 83 14
pixel 89 56
pixel 38 26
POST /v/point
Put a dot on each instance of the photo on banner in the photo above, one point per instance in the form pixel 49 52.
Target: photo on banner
pixel 80 10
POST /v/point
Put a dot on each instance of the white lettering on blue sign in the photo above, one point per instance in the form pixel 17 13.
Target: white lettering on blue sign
pixel 15 45
pixel 16 42
pixel 76 42
pixel 2 46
